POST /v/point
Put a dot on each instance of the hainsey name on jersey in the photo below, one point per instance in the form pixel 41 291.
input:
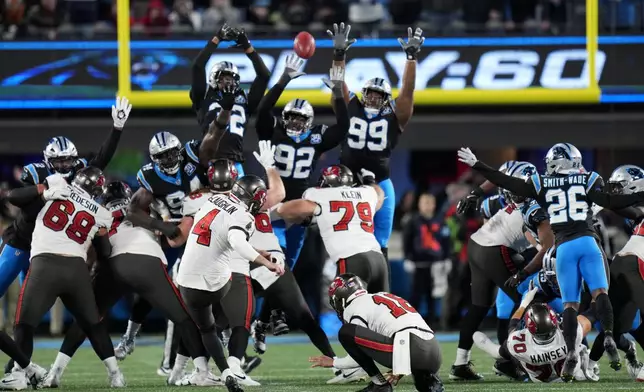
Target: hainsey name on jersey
pixel 126 238
pixel 386 314
pixel 171 190
pixel 543 362
pixel 66 227
pixel 370 140
pixel 345 219
pixel 231 144
pixel 504 228
pixel 205 264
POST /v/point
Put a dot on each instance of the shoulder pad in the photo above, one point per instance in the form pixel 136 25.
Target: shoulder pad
pixel 140 177
pixel 34 173
pixel 321 128
pixel 595 181
pixel 192 150
pixel 147 167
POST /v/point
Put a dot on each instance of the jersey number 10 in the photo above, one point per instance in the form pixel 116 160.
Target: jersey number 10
pixel 373 134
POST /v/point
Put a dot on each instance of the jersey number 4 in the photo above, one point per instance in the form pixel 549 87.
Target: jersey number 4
pixel 397 306
pixel 364 213
pixel 563 205
pixel 57 218
pixel 202 228
pixel 373 134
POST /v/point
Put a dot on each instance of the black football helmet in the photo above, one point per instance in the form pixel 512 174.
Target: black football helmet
pixel 250 190
pixel 116 191
pixel 542 322
pixel 335 176
pixel 343 287
pixel 222 174
pixel 91 179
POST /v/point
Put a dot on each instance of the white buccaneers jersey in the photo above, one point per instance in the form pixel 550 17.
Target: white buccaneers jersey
pixel 263 238
pixel 345 219
pixel 67 227
pixel 504 228
pixel 205 264
pixel 126 238
pixel 635 244
pixel 384 313
pixel 542 362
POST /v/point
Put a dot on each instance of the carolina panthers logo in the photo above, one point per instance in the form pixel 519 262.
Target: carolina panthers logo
pixel 636 173
pixel 560 152
pixel 528 171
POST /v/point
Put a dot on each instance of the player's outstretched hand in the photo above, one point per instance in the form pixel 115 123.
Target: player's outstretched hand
pixel 336 77
pixel 56 180
pixel 242 39
pixel 466 156
pixel 515 280
pixel 367 177
pixel 393 378
pixel 321 361
pixel 293 65
pixel 266 155
pixel 277 268
pixel 120 112
pixel 528 297
pixel 415 40
pixel 227 33
pixel 471 202
pixel 340 37
pixel 228 97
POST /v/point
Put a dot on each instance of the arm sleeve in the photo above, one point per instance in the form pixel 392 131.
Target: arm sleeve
pixel 632 213
pixel 237 238
pixel 260 83
pixel 29 175
pixel 107 150
pixel 513 184
pixel 140 218
pixel 21 197
pixel 199 83
pixel 337 132
pixel 266 122
pixel 613 202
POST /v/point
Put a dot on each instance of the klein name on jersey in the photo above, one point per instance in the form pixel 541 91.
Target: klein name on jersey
pixel 351 195
pixel 549 356
pixel 556 182
pixel 89 204
pixel 223 204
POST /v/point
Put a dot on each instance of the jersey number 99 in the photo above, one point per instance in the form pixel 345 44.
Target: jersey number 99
pixel 564 205
pixel 372 134
pixel 237 118
pixel 294 163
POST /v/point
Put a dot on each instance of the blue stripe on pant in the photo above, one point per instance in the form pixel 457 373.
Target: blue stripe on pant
pixel 577 259
pixel 505 305
pixel 384 219
pixel 12 262
pixel 240 169
pixel 291 239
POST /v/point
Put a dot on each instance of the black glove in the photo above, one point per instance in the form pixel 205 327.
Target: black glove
pixel 514 281
pixel 242 39
pixel 341 41
pixel 227 33
pixel 414 42
pixel 470 202
pixel 227 97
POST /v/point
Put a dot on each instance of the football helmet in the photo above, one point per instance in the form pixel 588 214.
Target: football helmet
pixel 626 179
pixel 223 74
pixel 222 174
pixel 116 191
pixel 90 179
pixel 542 323
pixel 60 156
pixel 522 170
pixel 373 103
pixel 166 152
pixel 342 289
pixel 298 117
pixel 335 176
pixel 251 191
pixel 563 158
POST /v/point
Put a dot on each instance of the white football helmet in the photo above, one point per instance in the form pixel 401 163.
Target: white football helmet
pixel 298 117
pixel 220 69
pixel 522 170
pixel 60 156
pixel 563 158
pixel 166 152
pixel 626 179
pixel 373 105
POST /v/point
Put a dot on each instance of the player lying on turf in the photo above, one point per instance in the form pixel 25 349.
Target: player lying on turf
pixel 539 346
pixel 382 328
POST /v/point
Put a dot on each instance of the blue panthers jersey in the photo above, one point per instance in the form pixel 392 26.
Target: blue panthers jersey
pixel 491 205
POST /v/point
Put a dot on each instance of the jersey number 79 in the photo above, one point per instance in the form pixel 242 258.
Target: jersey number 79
pixel 364 213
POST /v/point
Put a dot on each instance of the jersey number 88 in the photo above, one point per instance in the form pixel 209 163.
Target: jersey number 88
pixel 372 134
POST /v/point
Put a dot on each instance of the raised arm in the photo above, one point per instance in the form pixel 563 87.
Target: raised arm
pixel 276 190
pixel 262 73
pixel 336 133
pixel 120 113
pixel 210 142
pixel 341 43
pixel 405 99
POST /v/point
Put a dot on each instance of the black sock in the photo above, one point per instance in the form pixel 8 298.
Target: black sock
pixel 638 335
pixel 214 347
pixel 502 330
pixel 74 338
pixel 9 347
pixel 597 350
pixel 140 310
pixel 101 342
pixel 265 313
pixel 385 252
pixel 319 339
pixel 470 324
pixel 605 312
pixel 570 328
pixel 238 342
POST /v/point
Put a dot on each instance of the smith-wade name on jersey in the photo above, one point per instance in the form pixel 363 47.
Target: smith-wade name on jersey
pixel 556 182
pixel 223 204
pixel 89 204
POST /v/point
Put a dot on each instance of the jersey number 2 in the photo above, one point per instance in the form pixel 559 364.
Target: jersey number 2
pixel 237 118
pixel 202 228
pixel 565 204
pixel 364 213
pixel 371 134
pixel 397 306
pixel 58 215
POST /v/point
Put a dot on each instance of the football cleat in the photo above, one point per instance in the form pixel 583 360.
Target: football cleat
pixel 15 381
pixel 377 388
pixel 177 373
pixel 116 379
pixel 164 371
pixel 505 368
pixel 347 376
pixel 464 373
pixel 278 320
pixel 52 379
pixel 200 379
pixel 242 378
pixel 632 363
pixel 231 381
pixel 35 374
pixel 586 370
pixel 248 364
pixel 568 370
pixel 124 348
pixel 613 354
pixel 258 332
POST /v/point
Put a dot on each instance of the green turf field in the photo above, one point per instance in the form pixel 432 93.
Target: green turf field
pixel 285 368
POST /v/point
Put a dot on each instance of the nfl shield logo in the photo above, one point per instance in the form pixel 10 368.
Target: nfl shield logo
pixel 316 138
pixel 240 99
pixel 189 168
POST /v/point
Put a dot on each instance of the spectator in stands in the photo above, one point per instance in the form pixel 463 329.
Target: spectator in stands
pixel 260 13
pixel 155 21
pixel 297 13
pixel 11 16
pixel 404 210
pixel 426 242
pixel 220 11
pixel 45 18
pixel 405 12
pixel 366 16
pixel 442 15
pixel 83 15
pixel 328 12
pixel 184 18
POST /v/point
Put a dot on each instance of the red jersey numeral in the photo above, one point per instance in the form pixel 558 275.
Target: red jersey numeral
pixel 195 195
pixel 519 348
pixel 263 223
pixel 364 213
pixel 544 372
pixel 58 216
pixel 397 306
pixel 202 228
pixel 117 218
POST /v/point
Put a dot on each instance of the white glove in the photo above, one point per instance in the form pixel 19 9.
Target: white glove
pixel 120 112
pixel 466 156
pixel 336 76
pixel 528 297
pixel 56 181
pixel 56 193
pixel 293 65
pixel 365 175
pixel 266 155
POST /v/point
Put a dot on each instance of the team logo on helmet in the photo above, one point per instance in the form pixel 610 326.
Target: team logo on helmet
pixel 332 171
pixel 260 196
pixel 335 285
pixel 635 173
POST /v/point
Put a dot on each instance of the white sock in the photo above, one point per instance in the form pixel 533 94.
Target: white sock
pixel 234 363
pixel 111 365
pixel 62 360
pixel 591 364
pixel 132 329
pixel 200 363
pixel 462 357
pixel 29 370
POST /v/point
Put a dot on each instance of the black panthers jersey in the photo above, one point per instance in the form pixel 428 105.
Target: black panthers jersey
pixel 171 189
pixel 18 234
pixel 548 285
pixel 370 140
pixel 491 205
pixel 533 215
pixel 565 198
pixel 231 145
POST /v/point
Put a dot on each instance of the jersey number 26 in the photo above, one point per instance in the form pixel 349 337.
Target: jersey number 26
pixel 373 134
pixel 564 205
